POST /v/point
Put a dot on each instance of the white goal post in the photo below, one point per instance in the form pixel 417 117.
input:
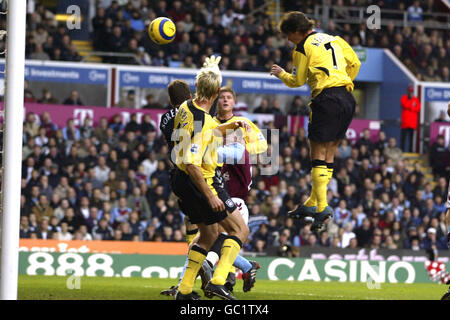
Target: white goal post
pixel 12 148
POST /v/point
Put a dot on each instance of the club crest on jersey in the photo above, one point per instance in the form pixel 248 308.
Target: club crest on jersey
pixel 229 203
pixel 194 148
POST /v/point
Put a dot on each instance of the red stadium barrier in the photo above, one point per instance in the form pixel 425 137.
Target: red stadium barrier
pixel 61 113
pixel 440 128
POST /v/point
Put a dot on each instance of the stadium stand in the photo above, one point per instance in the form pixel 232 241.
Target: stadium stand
pixel 111 181
pixel 113 177
pixel 248 37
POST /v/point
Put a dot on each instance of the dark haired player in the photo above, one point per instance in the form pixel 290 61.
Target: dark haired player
pixel 329 65
pixel 179 92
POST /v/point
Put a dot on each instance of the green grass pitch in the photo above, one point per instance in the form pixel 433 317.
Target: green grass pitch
pixel 101 288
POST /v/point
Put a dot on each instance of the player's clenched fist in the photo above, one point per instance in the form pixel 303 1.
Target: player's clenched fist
pixel 276 70
pixel 216 204
pixel 242 124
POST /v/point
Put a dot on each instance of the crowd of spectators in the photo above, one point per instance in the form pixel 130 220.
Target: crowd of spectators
pixel 423 51
pixel 47 97
pixel 245 41
pixel 378 201
pixel 110 181
pixel 46 39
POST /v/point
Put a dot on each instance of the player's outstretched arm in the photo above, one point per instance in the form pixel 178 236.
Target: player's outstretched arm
pixel 255 142
pixel 276 70
pixel 223 128
pixel 295 79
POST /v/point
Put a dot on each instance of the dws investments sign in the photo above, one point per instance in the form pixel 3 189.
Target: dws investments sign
pixel 152 79
pixel 241 84
pixel 66 74
pixel 437 94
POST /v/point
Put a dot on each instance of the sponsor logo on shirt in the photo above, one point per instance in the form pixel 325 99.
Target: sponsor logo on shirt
pixel 194 148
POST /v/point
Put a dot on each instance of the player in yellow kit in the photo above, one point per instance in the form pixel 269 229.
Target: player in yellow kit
pixel 198 182
pixel 328 65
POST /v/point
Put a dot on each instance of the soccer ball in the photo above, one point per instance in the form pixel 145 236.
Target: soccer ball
pixel 162 30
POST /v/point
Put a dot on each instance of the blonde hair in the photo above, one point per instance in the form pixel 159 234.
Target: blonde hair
pixel 208 82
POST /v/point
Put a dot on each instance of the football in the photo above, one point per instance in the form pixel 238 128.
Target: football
pixel 162 30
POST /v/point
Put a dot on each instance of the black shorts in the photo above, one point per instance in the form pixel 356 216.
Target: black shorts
pixel 194 204
pixel 331 114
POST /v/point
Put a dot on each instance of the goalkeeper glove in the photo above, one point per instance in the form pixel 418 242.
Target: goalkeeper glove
pixel 212 62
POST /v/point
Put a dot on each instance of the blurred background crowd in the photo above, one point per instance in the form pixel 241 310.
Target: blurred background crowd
pixel 111 182
pixel 244 36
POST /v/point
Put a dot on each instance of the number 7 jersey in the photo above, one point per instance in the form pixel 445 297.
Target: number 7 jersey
pixel 323 61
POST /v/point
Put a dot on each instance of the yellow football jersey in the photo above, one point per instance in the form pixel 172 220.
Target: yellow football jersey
pixel 255 142
pixel 195 143
pixel 323 61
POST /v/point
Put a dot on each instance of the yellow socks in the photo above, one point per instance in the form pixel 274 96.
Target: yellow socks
pixel 190 236
pixel 330 172
pixel 319 176
pixel 196 257
pixel 230 250
pixel 312 200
